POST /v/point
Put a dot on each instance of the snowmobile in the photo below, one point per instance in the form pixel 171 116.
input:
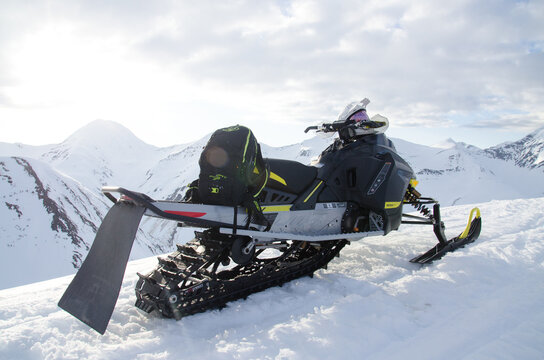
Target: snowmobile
pixel 288 221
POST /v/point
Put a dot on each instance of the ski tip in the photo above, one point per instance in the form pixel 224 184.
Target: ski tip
pixel 474 219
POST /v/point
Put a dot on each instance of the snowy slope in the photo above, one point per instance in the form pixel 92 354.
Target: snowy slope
pixel 54 218
pixel 51 204
pixel 481 302
pixel 304 152
pixel 106 153
pixel 526 152
pixel 103 153
pixel 462 174
pixel 48 222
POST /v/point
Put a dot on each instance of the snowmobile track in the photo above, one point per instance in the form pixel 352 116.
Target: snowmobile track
pixel 167 290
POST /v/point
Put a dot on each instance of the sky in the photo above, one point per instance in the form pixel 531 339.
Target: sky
pixel 173 71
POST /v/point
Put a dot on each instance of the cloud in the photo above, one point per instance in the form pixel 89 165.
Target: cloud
pixel 510 122
pixel 448 57
pixel 293 61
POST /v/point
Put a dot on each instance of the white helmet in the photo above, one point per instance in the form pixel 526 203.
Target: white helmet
pixel 355 113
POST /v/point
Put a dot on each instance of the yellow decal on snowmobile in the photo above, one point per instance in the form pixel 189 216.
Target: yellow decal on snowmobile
pixel 267 175
pixel 313 191
pixel 392 204
pixel 245 148
pixel 215 190
pixel 217 177
pixel 278 178
pixel 414 182
pixel 276 208
pixel 232 128
pixel 467 229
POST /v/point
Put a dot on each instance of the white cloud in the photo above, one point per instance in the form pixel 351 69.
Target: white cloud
pixel 269 62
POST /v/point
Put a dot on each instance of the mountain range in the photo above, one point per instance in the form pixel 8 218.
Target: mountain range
pixel 51 204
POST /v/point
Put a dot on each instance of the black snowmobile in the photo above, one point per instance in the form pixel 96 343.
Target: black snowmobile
pixel 265 221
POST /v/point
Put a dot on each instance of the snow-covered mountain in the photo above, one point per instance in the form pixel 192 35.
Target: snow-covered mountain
pixel 106 153
pixel 527 152
pixel 48 221
pixel 464 174
pixel 103 152
pixel 481 302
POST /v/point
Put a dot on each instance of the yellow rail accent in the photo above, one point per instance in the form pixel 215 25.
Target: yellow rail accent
pixel 276 208
pixel 245 148
pixel 264 183
pixel 278 178
pixel 467 229
pixel 313 191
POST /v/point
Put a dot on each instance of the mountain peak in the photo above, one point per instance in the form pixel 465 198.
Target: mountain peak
pixel 537 134
pixel 526 152
pixel 102 132
pixel 445 144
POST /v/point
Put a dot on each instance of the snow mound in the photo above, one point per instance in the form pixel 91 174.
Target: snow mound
pixel 480 302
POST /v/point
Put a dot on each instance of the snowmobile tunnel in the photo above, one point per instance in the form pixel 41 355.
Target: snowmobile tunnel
pixel 153 206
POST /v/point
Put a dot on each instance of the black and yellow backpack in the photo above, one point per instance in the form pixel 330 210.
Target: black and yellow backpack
pixel 232 169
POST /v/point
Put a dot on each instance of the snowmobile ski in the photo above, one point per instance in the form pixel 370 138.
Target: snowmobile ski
pixel 470 234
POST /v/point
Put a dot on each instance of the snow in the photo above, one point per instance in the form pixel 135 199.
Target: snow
pixel 481 302
pixel 445 144
pixel 103 152
pixel 463 174
pixel 540 158
pixel 29 189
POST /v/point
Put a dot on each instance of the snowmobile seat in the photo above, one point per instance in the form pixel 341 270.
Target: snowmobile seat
pixel 290 176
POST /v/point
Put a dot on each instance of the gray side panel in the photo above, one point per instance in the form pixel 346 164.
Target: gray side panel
pixel 92 294
pixel 325 219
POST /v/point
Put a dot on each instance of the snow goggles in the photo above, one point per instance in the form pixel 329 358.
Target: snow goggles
pixel 359 116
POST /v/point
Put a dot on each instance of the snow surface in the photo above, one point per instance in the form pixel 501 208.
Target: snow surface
pixel 481 302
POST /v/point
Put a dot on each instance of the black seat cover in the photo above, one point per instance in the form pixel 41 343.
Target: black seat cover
pixel 290 176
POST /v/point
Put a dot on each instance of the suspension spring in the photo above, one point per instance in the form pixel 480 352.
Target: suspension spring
pixel 412 197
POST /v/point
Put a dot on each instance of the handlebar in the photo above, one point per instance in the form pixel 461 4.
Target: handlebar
pixel 338 125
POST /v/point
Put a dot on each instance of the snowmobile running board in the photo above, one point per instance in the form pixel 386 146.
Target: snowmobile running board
pixel 310 238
